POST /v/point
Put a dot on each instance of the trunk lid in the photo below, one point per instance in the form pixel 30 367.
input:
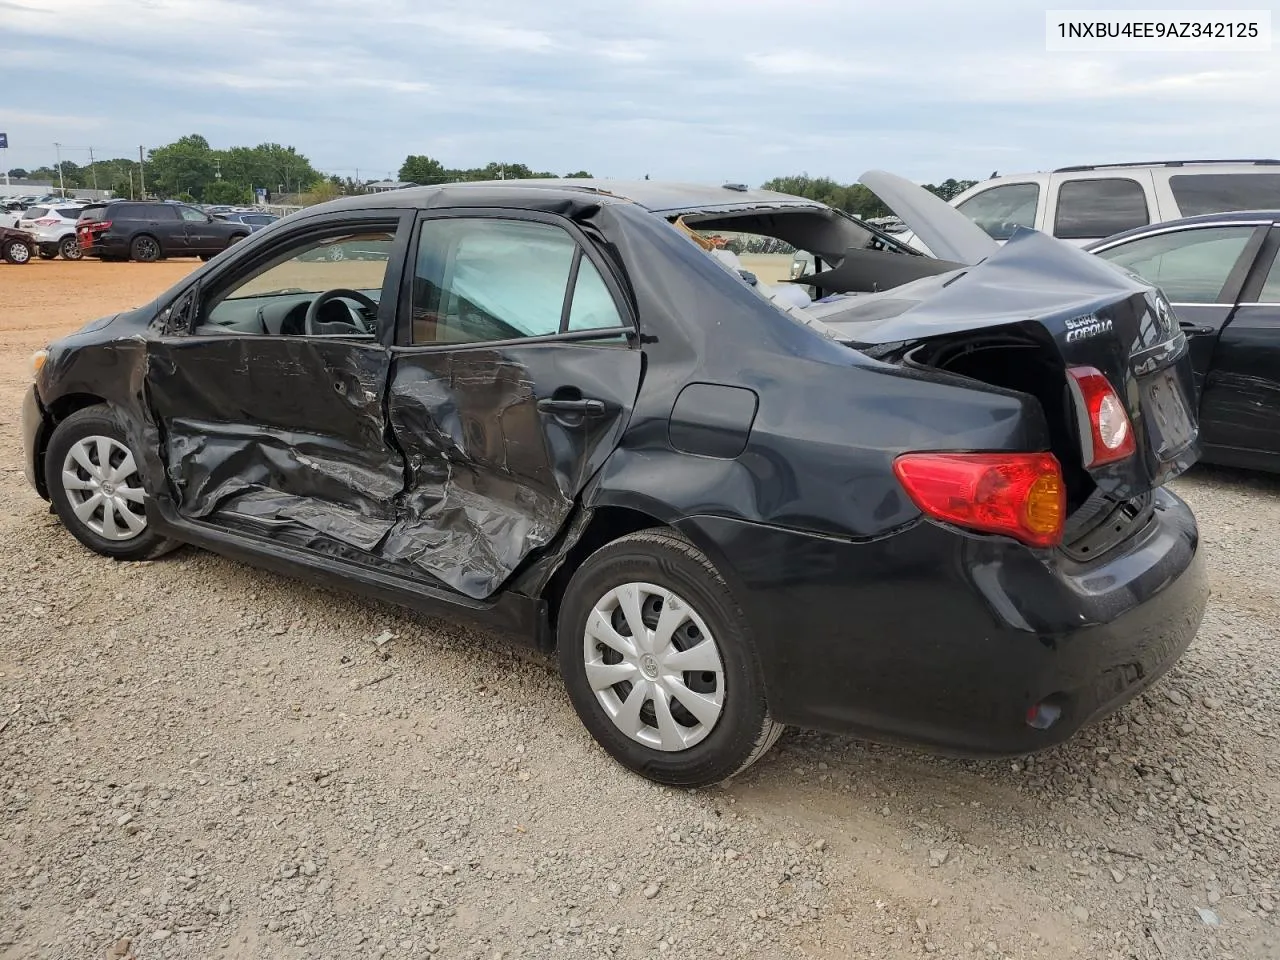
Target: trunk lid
pixel 1092 313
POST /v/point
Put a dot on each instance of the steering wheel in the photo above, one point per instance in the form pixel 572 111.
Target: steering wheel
pixel 339 293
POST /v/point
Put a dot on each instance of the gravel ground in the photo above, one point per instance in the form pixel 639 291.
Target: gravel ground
pixel 201 760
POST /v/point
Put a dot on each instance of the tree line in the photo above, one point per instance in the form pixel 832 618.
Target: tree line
pixel 190 169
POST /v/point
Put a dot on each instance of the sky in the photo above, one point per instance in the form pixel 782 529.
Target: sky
pixel 704 90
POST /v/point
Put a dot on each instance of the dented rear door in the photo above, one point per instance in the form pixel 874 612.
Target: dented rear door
pixel 515 376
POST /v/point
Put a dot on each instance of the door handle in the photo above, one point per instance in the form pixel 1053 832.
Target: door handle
pixel 585 408
pixel 1187 327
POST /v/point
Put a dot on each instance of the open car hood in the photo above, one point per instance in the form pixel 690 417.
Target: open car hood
pixel 947 232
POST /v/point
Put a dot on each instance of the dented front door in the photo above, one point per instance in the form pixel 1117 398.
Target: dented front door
pixel 515 377
pixel 274 427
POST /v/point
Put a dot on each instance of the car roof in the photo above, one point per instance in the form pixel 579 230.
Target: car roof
pixel 654 195
pixel 1204 219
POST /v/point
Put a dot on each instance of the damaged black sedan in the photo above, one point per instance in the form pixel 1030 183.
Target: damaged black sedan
pixel 913 499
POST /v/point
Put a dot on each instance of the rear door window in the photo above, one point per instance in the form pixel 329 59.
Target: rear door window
pixel 1271 286
pixel 147 211
pixel 1190 266
pixel 1198 193
pixel 492 279
pixel 999 210
pixel 1090 209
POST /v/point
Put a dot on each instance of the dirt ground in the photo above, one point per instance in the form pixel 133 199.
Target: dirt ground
pixel 198 759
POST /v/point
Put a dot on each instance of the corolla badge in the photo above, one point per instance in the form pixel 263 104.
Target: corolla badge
pixel 1084 327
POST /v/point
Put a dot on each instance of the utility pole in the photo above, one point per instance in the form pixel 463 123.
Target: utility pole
pixel 62 189
pixel 131 196
pixel 93 171
pixel 142 182
pixel 217 169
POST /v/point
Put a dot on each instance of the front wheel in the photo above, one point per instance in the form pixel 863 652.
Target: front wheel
pixel 16 251
pixel 658 659
pixel 95 485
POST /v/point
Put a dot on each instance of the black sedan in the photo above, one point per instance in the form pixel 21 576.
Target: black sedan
pixel 926 505
pixel 1222 274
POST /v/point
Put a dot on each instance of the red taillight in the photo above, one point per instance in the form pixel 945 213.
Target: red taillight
pixel 47 222
pixel 1018 494
pixel 1108 435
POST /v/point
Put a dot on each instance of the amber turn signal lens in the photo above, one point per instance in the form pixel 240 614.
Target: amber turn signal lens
pixel 1046 502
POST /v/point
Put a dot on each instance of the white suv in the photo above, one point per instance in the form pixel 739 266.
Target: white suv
pixel 1083 204
pixel 54 228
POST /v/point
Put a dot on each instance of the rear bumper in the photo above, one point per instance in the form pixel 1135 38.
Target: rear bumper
pixel 936 638
pixel 103 245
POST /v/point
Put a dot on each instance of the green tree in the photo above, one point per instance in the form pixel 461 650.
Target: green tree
pixel 418 168
pixel 579 175
pixel 224 191
pixel 852 198
pixel 950 187
pixel 184 166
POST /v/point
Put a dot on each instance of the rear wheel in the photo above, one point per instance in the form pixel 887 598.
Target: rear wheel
pixel 48 253
pixel 16 251
pixel 658 660
pixel 69 249
pixel 95 485
pixel 145 249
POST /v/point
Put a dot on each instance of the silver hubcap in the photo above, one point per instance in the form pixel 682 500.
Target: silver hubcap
pixel 654 666
pixel 102 484
pixel 146 249
pixel 19 253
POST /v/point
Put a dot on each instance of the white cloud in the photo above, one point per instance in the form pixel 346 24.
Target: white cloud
pixel 718 89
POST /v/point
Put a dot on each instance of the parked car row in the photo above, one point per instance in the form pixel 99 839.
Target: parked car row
pixel 142 230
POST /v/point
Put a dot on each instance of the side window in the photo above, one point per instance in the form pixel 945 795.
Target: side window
pixel 592 306
pixel 486 279
pixel 1271 286
pixel 1198 193
pixel 1190 266
pixel 192 215
pixel 277 296
pixel 147 211
pixel 999 210
pixel 1092 209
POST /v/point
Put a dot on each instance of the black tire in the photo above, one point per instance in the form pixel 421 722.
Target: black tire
pixel 145 248
pixel 17 252
pixel 743 731
pixel 48 253
pixel 98 421
pixel 69 249
pixel 206 257
pixel 236 238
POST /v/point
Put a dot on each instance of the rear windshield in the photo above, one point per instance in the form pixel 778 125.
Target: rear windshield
pixel 1199 193
pixel 71 213
pixel 92 213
